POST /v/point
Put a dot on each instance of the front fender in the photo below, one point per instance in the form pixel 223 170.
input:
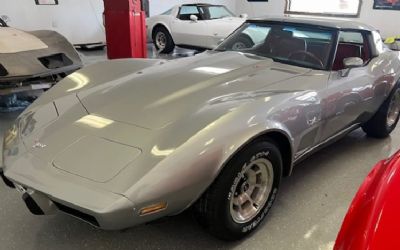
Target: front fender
pixel 153 24
pixel 186 169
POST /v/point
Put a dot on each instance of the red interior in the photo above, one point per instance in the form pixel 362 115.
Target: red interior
pixel 346 50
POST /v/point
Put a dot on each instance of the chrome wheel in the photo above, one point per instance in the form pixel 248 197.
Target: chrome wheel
pixel 394 109
pixel 161 40
pixel 238 46
pixel 251 190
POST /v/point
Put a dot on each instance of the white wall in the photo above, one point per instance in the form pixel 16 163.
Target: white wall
pixel 80 21
pixel 387 21
pixel 273 7
pixel 159 6
pixel 384 20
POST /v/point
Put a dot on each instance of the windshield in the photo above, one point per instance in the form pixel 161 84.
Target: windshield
pixel 302 46
pixel 215 12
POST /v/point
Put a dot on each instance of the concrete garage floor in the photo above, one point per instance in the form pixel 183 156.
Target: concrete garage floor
pixel 307 213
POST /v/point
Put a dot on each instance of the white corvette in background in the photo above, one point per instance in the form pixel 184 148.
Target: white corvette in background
pixel 193 26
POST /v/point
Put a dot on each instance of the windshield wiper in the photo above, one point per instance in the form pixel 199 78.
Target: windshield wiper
pixel 254 54
pixel 294 63
pixel 219 50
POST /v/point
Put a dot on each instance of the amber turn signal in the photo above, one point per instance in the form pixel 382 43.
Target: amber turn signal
pixel 153 208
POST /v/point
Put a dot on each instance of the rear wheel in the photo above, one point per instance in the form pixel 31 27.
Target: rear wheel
pixel 387 117
pixel 244 192
pixel 241 43
pixel 162 40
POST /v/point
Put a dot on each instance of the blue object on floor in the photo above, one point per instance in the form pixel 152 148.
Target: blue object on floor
pixel 11 103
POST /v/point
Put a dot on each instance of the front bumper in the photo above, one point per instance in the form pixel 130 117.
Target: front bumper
pixel 40 81
pixel 99 208
pixel 47 189
pixel 52 191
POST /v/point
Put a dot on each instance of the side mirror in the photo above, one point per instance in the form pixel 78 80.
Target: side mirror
pixel 351 63
pixel 194 18
pixel 244 15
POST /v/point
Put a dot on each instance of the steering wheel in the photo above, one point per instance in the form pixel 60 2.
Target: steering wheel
pixel 309 54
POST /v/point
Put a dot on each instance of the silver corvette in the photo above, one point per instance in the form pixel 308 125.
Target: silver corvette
pixel 126 142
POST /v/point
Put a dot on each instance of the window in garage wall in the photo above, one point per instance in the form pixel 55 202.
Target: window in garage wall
pixel 348 8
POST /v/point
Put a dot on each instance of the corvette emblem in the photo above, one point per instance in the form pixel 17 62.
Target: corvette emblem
pixel 39 145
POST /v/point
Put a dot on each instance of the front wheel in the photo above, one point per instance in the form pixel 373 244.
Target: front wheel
pixel 242 195
pixel 162 40
pixel 387 117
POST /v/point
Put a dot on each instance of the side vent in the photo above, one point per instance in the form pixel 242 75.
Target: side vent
pixel 55 61
pixel 78 214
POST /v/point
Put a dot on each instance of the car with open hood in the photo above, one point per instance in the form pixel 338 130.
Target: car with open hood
pixel 124 142
pixel 33 60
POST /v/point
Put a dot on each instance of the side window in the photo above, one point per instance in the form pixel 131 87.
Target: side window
pixel 351 37
pixel 186 11
pixel 351 44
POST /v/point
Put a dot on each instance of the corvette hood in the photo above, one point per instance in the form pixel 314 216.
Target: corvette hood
pixel 157 96
pixel 14 41
pixel 36 54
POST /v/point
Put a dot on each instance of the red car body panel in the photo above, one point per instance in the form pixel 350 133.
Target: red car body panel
pixel 373 220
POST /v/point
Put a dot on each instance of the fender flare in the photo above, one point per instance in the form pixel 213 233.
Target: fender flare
pixel 265 133
pixel 162 24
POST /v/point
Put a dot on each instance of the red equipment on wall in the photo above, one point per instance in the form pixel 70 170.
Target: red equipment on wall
pixel 125 22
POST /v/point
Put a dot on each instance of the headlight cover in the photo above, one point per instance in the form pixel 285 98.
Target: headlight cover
pixel 11 138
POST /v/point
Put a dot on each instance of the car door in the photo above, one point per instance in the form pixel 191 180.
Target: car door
pixel 351 93
pixel 186 31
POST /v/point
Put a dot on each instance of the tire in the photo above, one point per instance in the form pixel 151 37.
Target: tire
pixel 216 209
pixel 386 118
pixel 243 42
pixel 162 40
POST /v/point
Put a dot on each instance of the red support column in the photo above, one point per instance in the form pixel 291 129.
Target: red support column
pixel 125 23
